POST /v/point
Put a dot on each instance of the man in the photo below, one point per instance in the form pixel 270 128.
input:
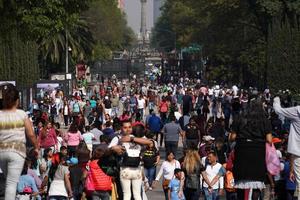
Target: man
pixel 115 105
pixel 212 170
pixel 96 131
pixel 154 124
pixel 34 106
pixel 192 134
pixel 187 103
pixel 171 133
pixel 107 105
pixel 293 114
pixel 141 105
pixel 87 109
pixel 130 170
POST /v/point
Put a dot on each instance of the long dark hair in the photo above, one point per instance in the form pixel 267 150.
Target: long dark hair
pixel 9 96
pixel 73 128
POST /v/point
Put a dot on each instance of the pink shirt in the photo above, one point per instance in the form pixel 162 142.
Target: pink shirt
pixel 73 139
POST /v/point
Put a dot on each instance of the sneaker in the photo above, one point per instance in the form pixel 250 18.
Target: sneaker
pixel 150 188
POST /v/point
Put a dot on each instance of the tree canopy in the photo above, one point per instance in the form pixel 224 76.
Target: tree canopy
pixel 91 29
pixel 236 35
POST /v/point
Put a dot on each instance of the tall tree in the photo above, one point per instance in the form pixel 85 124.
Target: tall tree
pixel 236 35
pixel 109 28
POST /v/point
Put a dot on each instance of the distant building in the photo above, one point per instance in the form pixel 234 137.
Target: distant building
pixel 121 4
pixel 157 4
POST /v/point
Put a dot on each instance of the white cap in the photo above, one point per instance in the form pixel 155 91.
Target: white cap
pixel 207 138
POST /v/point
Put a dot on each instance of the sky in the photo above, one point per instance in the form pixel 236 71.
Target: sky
pixel 133 12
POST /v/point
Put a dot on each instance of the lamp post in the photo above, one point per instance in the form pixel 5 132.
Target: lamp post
pixel 68 76
pixel 67 54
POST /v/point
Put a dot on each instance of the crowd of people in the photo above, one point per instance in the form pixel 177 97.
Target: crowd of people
pixel 107 143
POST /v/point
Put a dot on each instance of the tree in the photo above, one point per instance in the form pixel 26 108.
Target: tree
pixel 54 23
pixel 236 35
pixel 109 28
pixel 18 58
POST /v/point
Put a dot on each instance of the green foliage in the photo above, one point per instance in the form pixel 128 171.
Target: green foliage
pixel 101 52
pixel 53 23
pixel 109 28
pixel 36 32
pixel 18 59
pixel 284 56
pixel 236 36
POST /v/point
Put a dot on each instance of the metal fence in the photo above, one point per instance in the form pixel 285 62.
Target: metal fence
pixel 121 68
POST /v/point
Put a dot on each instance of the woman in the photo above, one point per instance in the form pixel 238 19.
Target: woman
pixel 45 163
pixel 163 109
pixel 83 154
pixel 12 138
pixel 205 107
pixel 81 123
pixel 47 138
pixel 102 183
pixel 251 130
pixel 60 188
pixel 125 116
pixel 100 112
pixel 72 138
pixel 150 159
pixel 66 112
pixel 167 170
pixel 193 168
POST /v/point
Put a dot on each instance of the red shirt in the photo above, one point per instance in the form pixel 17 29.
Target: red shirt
pixel 50 139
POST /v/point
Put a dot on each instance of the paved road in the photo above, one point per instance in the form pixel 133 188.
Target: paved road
pixel 157 193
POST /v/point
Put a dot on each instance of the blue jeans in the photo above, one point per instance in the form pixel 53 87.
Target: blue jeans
pixel 211 195
pixel 100 195
pixel 141 111
pixel 150 174
pixel 171 146
pixel 151 105
pixel 114 111
pixel 132 108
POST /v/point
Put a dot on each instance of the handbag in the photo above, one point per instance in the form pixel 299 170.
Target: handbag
pixel 114 192
pixel 89 184
pixel 272 160
pixel 165 184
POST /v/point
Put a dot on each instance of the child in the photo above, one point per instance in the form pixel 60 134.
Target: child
pixel 174 186
pixel 88 138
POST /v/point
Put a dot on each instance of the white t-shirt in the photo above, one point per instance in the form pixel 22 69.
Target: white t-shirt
pixel 141 103
pixel 211 172
pixel 167 170
pixel 66 110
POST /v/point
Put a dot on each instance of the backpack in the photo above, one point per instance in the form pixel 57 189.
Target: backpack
pixel 229 182
pixel 272 160
pixel 132 155
pixel 97 179
pixel 164 107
